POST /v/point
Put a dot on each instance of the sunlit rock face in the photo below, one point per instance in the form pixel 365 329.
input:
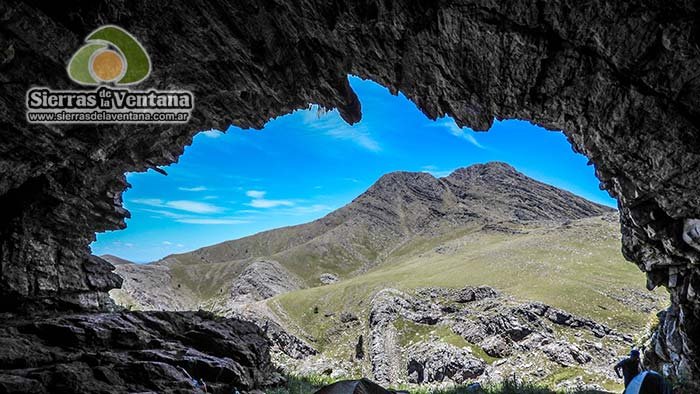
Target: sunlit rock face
pixel 619 78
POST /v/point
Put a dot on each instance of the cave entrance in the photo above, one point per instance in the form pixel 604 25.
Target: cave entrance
pixel 488 263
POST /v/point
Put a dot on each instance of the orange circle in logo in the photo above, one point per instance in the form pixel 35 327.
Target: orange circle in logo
pixel 107 65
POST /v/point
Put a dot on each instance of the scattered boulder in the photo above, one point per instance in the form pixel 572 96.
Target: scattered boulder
pixel 577 385
pixel 566 354
pixel 496 346
pixel 471 294
pixel 440 362
pixel 322 365
pixel 328 279
pixel 348 317
pixel 287 343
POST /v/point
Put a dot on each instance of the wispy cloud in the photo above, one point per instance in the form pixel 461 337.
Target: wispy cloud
pixel 193 219
pixel 181 205
pixel 255 193
pixel 259 200
pixel 463 133
pixel 357 136
pixel 212 133
pixel 332 125
pixel 193 189
pixel 212 221
pixel 154 202
pixel 194 206
pixel 264 203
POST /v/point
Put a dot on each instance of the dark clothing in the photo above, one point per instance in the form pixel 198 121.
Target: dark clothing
pixel 630 368
pixel 655 384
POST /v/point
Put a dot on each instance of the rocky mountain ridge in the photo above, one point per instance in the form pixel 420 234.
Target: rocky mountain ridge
pixel 396 209
pixel 402 204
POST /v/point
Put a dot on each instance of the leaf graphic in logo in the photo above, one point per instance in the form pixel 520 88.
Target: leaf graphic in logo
pixel 96 62
pixel 79 65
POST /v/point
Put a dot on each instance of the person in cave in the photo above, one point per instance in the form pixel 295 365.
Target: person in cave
pixel 630 367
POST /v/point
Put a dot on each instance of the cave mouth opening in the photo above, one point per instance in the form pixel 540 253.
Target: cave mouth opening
pixel 199 226
pixel 620 80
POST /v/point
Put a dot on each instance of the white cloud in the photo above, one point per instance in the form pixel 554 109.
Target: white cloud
pixel 356 135
pixel 212 133
pixel 259 200
pixel 264 203
pixel 181 205
pixel 211 221
pixel 193 189
pixel 255 193
pixel 164 213
pixel 332 125
pixel 463 133
pixel 154 202
pixel 193 206
pixel 167 243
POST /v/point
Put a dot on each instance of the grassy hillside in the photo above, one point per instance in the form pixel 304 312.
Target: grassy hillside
pixel 576 266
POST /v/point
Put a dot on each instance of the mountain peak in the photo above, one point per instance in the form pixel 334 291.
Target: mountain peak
pixel 489 168
pixel 401 205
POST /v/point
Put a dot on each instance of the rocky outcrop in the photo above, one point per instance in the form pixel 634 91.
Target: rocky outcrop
pixel 529 339
pixel 619 78
pixel 328 279
pixel 285 342
pixel 281 338
pixel 132 352
pixel 261 280
pixel 151 287
pixel 440 362
pixel 565 353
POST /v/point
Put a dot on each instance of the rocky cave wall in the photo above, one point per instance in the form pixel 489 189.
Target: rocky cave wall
pixel 619 78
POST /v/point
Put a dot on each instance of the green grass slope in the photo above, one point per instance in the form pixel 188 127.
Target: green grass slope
pixel 577 267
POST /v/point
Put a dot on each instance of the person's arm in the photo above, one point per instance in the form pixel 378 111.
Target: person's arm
pixel 618 366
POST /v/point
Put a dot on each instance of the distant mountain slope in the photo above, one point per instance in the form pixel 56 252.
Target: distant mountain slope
pixel 398 209
pixel 401 205
pixel 115 260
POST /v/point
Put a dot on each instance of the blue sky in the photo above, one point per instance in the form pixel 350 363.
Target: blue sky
pixel 306 164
